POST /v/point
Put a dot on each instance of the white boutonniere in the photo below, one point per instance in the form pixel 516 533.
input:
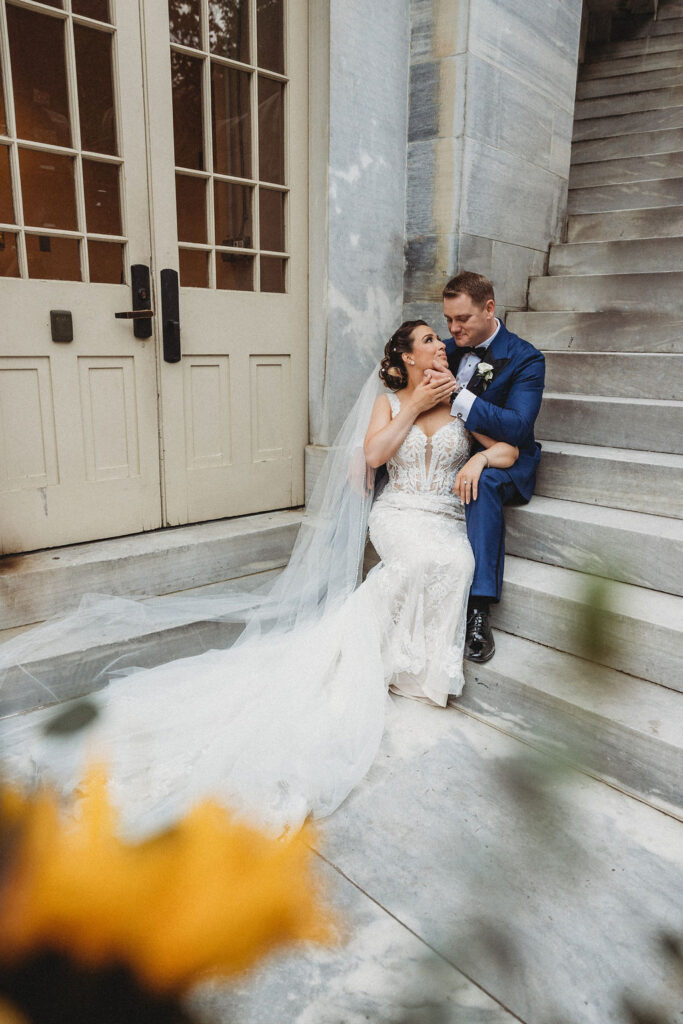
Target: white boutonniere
pixel 485 371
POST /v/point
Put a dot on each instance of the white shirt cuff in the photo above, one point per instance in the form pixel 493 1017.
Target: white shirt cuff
pixel 462 403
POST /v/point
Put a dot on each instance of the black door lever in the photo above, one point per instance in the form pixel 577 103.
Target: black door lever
pixel 140 314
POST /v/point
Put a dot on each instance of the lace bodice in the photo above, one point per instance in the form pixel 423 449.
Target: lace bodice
pixel 428 465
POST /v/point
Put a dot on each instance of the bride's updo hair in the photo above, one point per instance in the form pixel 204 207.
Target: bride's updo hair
pixel 392 371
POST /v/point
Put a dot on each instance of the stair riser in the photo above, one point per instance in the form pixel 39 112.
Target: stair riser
pixel 646 256
pixel 628 124
pixel 631 196
pixel 672 9
pixel 629 84
pixel 643 765
pixel 613 483
pixel 668 140
pixel 632 65
pixel 641 293
pixel 662 222
pixel 35 596
pixel 616 376
pixel 671 40
pixel 641 427
pixel 615 172
pixel 629 103
pixel 598 332
pixel 649 28
pixel 613 552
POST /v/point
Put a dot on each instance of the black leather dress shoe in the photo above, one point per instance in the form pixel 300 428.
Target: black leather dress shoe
pixel 479 643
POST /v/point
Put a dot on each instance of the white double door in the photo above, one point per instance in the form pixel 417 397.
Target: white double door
pixel 158 136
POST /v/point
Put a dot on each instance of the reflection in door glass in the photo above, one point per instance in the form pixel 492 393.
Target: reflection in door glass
pixel 271 36
pixel 233 214
pixel 186 76
pixel 106 262
pixel 190 197
pixel 39 76
pixel 98 9
pixel 9 263
pixel 95 89
pixel 229 29
pixel 184 20
pixel 271 134
pixel 273 274
pixel 231 121
pixel 194 268
pixel 3 117
pixel 53 257
pixel 272 219
pixel 234 272
pixel 6 210
pixel 48 189
pixel 102 198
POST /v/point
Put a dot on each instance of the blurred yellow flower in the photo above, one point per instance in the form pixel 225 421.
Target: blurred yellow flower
pixel 211 896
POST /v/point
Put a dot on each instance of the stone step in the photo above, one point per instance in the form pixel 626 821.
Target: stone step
pixel 629 103
pixel 638 195
pixel 667 140
pixel 630 256
pixel 643 293
pixel 615 477
pixel 629 84
pixel 623 730
pixel 632 547
pixel 37 586
pixel 637 28
pixel 599 332
pixel 627 628
pixel 631 65
pixel 616 375
pixel 662 222
pixel 656 43
pixel 640 424
pixel 627 169
pixel 628 124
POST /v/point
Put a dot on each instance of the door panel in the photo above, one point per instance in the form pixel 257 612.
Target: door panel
pixel 79 443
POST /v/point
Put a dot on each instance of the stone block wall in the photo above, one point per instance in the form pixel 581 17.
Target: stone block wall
pixel 489 137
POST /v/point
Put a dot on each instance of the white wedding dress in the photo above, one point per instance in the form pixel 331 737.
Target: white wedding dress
pixel 283 726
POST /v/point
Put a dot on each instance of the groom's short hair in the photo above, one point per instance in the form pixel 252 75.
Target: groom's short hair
pixel 478 287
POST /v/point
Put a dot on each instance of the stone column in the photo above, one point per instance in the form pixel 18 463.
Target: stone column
pixel 491 112
pixel 358 126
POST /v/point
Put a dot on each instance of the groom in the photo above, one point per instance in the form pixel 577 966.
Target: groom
pixel 498 389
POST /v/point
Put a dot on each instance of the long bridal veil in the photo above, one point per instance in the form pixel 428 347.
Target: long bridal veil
pixel 279 719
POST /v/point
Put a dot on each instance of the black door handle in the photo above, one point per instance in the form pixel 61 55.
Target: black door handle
pixel 140 314
pixel 170 313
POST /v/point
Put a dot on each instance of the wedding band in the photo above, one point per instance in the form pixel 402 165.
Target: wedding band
pixel 466 483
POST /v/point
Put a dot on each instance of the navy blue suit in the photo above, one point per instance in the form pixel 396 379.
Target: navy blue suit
pixel 505 410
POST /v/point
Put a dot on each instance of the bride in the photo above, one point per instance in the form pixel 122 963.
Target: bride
pixel 285 722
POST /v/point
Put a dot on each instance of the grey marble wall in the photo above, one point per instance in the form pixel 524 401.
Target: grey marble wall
pixel 359 110
pixel 490 125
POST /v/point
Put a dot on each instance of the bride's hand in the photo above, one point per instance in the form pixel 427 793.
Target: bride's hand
pixel 429 392
pixel 466 484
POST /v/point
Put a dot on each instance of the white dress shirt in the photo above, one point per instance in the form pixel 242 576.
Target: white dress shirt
pixel 463 401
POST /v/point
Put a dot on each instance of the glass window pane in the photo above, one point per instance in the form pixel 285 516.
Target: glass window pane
pixel 272 274
pixel 186 75
pixel 3 117
pixel 9 262
pixel 229 29
pixel 47 188
pixel 190 198
pixel 102 198
pixel 234 272
pixel 53 258
pixel 53 3
pixel 95 90
pixel 271 130
pixel 6 199
pixel 194 268
pixel 106 262
pixel 92 9
pixel 185 22
pixel 231 121
pixel 272 219
pixel 232 204
pixel 271 35
pixel 39 76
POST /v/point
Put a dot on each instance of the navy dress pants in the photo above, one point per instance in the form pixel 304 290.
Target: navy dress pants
pixel 486 531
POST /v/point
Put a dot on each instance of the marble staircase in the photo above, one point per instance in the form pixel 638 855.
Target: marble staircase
pixel 590 659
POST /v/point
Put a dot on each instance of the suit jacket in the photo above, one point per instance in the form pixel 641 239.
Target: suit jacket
pixel 507 409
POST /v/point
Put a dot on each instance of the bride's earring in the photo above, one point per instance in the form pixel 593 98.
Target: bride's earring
pixel 412 362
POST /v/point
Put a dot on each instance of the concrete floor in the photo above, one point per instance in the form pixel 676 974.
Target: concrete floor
pixel 478 883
